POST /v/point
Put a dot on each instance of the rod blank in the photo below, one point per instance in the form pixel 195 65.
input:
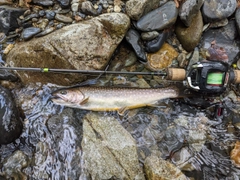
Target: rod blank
pixel 159 73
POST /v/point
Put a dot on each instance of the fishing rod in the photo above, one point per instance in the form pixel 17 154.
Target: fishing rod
pixel 205 77
pixel 46 70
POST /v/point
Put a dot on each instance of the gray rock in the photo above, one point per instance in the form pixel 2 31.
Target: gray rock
pixel 214 10
pixel 43 2
pixel 159 19
pixel 157 168
pixel 8 18
pixel 28 33
pixel 50 15
pixel 10 124
pixel 86 45
pixel 237 17
pixel 64 3
pixel 188 10
pixel 147 36
pixel 136 9
pixel 190 36
pixel 63 18
pixel 87 8
pixel 133 38
pixel 108 149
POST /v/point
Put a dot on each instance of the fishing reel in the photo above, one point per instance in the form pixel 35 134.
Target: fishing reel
pixel 207 77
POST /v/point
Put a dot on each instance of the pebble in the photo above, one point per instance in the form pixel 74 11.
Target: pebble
pixel 148 36
pixel 135 9
pixel 190 36
pixel 162 58
pixel 159 19
pixel 235 154
pixel 64 3
pixel 215 10
pixel 88 8
pixel 45 32
pixel 155 44
pixel 50 15
pixel 63 18
pixel 188 10
pixel 74 7
pixel 133 38
pixel 41 13
pixel 42 23
pixel 45 3
pixel 30 32
pixel 29 17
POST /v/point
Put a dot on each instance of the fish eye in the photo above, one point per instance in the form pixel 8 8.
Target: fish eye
pixel 63 92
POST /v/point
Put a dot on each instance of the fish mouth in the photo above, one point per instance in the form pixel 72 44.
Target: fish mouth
pixel 56 98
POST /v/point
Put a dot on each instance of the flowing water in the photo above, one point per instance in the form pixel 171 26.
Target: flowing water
pixel 194 139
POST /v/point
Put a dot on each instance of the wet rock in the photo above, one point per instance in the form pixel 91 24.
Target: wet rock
pixel 159 19
pixel 66 130
pixel 220 23
pixel 46 31
pixel 50 15
pixel 133 38
pixel 154 45
pixel 188 10
pixel 157 168
pixel 193 59
pixel 225 38
pixel 64 3
pixel 190 36
pixel 13 165
pixel 42 23
pixel 105 140
pixel 8 18
pixel 10 124
pixel 98 37
pixel 182 159
pixel 162 58
pixel 235 154
pixel 214 52
pixel 214 10
pixel 136 9
pixel 148 36
pixel 30 32
pixel 5 2
pixel 87 8
pixel 237 17
pixel 43 2
pixel 30 17
pixel 63 18
pixel 6 75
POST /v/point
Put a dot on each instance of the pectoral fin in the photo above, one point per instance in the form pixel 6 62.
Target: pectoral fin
pixel 84 101
pixel 122 111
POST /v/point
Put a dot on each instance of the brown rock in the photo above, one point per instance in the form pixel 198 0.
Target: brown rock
pixel 87 45
pixel 190 36
pixel 162 58
pixel 159 169
pixel 235 154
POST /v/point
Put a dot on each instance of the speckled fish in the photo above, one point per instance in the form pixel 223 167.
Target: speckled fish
pixel 110 98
